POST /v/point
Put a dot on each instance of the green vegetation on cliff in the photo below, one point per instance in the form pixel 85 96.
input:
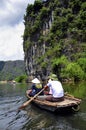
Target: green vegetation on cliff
pixel 60 27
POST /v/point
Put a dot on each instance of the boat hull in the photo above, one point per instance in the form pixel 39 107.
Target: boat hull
pixel 70 104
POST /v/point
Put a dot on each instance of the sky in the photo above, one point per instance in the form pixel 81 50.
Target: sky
pixel 12 28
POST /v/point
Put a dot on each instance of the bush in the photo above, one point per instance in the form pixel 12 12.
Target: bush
pixel 82 63
pixel 75 71
pixel 21 78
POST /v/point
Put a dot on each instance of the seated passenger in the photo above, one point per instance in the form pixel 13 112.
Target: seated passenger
pixel 36 87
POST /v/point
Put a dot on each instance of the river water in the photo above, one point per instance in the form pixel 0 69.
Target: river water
pixel 33 118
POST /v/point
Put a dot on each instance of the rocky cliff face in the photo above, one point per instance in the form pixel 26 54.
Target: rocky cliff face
pixel 52 32
pixel 37 48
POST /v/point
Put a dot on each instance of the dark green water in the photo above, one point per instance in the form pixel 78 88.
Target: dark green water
pixel 33 118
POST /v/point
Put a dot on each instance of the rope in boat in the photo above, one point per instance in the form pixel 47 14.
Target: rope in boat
pixel 76 108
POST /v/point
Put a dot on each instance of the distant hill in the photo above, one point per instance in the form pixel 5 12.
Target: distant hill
pixel 9 70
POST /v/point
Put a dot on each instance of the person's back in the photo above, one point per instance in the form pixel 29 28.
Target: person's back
pixel 57 89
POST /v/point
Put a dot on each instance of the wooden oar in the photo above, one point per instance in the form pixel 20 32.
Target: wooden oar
pixel 27 102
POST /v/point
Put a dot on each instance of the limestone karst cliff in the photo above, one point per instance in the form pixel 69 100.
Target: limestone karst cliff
pixel 54 38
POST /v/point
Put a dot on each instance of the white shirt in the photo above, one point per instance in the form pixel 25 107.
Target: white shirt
pixel 57 89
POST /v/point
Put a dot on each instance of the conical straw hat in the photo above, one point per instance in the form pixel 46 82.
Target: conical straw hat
pixel 35 80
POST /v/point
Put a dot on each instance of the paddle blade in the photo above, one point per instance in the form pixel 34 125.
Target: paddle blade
pixel 26 103
pixel 21 107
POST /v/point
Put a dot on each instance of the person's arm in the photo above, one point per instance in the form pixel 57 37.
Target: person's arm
pixel 28 91
pixel 46 90
pixel 45 87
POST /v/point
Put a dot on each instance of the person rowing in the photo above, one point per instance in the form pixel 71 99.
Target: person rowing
pixel 56 89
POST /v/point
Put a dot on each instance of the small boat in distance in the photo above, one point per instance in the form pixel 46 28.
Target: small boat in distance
pixel 70 104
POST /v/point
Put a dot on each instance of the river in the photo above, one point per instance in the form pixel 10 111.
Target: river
pixel 33 118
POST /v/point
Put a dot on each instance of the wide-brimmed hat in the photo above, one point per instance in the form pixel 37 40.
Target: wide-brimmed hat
pixel 53 77
pixel 35 80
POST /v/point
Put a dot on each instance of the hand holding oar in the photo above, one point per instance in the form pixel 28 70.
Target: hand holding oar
pixel 27 102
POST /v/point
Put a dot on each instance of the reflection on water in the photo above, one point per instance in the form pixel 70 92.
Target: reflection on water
pixel 10 98
pixel 40 119
pixel 33 118
pixel 78 90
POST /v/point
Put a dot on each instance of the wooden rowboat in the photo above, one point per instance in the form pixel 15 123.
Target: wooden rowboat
pixel 70 103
